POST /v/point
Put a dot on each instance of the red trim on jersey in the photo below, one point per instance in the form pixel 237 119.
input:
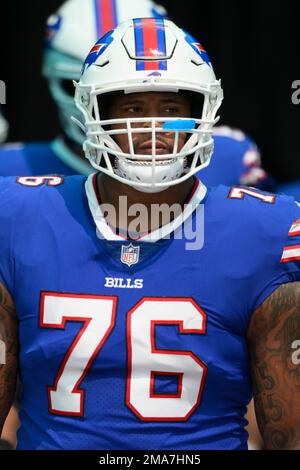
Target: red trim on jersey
pixel 291 258
pixel 293 234
pixel 294 247
pixel 95 186
pixel 195 187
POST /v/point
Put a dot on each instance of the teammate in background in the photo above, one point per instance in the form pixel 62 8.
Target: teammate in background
pixel 70 34
pixel 292 189
pixel 142 339
pixel 3 127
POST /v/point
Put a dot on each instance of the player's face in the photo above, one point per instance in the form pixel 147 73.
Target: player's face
pixel 150 104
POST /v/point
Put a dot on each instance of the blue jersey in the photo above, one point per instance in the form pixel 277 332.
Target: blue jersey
pixel 292 189
pixel 41 158
pixel 236 160
pixel 139 344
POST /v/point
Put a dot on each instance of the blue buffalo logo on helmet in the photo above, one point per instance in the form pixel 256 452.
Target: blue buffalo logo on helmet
pixel 97 50
pixel 198 48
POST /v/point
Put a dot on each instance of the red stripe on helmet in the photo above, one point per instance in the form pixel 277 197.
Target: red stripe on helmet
pixel 150 42
pixel 107 15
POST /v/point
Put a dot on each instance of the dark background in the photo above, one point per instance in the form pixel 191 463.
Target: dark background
pixel 254 46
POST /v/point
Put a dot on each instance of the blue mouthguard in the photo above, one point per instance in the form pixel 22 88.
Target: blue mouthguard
pixel 180 125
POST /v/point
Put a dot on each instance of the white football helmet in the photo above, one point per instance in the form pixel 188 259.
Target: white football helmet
pixel 70 34
pixel 144 55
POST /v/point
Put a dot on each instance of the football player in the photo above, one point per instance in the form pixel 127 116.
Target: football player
pixel 140 331
pixel 70 33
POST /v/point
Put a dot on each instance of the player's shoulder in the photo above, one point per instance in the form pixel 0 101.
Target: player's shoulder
pixel 19 193
pixel 260 228
pixel 30 185
pixel 248 198
pixel 29 203
pixel 249 206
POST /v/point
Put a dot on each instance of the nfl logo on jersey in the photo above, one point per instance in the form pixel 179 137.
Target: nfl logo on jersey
pixel 130 254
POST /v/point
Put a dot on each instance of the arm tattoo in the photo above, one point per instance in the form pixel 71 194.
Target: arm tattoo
pixel 274 327
pixel 9 335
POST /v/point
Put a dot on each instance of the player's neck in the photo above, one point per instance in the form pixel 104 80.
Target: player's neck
pixel 174 197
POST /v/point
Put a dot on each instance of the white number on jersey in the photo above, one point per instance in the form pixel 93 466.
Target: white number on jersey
pixel 145 361
pixel 34 181
pixel 239 193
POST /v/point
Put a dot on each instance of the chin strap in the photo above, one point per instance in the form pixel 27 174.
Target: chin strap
pixel 145 173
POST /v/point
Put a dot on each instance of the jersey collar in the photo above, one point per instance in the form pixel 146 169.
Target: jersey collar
pixel 106 232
